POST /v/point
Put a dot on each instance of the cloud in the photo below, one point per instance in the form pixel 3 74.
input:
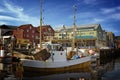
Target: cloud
pixel 111 13
pixel 110 10
pixel 18 13
pixel 59 25
pixel 93 2
pixel 7 18
pixel 13 8
pixel 106 10
pixel 111 29
pixel 89 1
pixel 2 10
pixel 84 15
pixel 116 16
pixel 98 20
pixel 118 7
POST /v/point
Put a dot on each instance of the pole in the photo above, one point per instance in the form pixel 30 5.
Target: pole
pixel 74 28
pixel 40 24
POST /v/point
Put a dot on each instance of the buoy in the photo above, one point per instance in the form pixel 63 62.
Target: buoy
pixel 91 52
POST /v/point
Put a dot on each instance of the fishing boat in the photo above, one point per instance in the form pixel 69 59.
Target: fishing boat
pixel 58 61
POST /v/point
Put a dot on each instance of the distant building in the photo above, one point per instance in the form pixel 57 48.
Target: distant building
pixel 110 39
pixel 6 31
pixel 117 42
pixel 90 35
pixel 47 33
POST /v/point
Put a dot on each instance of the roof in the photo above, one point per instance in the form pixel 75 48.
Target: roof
pixel 7 26
pixel 88 26
pixel 45 26
pixel 25 26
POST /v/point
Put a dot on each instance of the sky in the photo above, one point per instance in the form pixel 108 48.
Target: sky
pixel 60 12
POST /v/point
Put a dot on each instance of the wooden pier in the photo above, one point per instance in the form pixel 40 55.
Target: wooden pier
pixel 108 54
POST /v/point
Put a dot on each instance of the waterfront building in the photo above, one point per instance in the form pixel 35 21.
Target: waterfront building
pixel 24 34
pixel 29 35
pixel 91 35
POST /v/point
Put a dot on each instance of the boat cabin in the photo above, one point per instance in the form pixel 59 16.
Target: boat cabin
pixel 57 52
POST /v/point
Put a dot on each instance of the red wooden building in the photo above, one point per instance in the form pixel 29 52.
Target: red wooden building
pixel 27 33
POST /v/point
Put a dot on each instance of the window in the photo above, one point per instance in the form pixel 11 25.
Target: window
pixel 32 36
pixel 33 31
pixel 82 33
pixel 27 30
pixel 91 32
pixel 27 35
pixel 36 37
pixel 30 27
pixel 60 34
pixel 49 29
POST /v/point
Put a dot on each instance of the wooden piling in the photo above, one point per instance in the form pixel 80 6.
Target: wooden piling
pixel 108 54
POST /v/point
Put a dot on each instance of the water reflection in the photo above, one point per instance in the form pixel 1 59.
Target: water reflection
pixel 64 76
pixel 103 70
pixel 113 74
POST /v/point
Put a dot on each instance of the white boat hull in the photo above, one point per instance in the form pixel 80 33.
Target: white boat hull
pixel 33 65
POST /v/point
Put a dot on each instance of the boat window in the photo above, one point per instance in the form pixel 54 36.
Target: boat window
pixel 61 48
pixel 55 47
pixel 53 54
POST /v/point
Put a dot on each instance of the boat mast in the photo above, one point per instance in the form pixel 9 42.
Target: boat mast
pixel 74 27
pixel 40 24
